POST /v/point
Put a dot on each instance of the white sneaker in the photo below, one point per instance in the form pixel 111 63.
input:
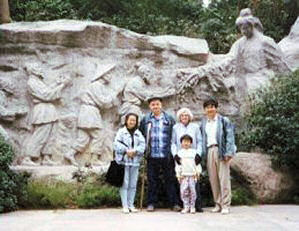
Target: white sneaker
pixel 185 210
pixel 216 209
pixel 126 210
pixel 133 210
pixel 192 210
pixel 225 211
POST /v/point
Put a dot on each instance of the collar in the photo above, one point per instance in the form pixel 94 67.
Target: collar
pixel 152 116
pixel 213 120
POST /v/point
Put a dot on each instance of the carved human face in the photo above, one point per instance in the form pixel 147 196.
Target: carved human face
pixel 156 107
pixel 186 143
pixel 210 111
pixel 144 72
pixel 131 122
pixel 184 118
pixel 246 29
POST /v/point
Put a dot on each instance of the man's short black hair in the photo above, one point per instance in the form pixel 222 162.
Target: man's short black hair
pixel 186 137
pixel 210 101
pixel 154 98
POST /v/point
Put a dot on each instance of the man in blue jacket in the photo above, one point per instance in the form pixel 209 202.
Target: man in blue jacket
pixel 219 146
pixel 156 127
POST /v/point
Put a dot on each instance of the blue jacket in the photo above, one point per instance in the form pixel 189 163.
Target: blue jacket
pixel 123 142
pixel 170 122
pixel 225 137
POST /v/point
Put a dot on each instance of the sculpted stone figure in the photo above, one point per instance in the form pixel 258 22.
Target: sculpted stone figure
pixel 90 124
pixel 140 88
pixel 43 116
pixel 7 90
pixel 252 60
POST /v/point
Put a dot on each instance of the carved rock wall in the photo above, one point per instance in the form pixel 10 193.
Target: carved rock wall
pixel 83 53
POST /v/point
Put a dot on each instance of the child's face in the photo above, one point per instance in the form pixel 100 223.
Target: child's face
pixel 186 143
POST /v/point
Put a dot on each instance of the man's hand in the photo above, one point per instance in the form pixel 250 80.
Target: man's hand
pixel 177 159
pixel 197 159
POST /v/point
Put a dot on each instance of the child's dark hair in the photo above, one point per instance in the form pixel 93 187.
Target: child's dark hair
pixel 186 137
pixel 210 101
pixel 127 118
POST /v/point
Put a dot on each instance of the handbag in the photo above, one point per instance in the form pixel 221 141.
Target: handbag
pixel 115 174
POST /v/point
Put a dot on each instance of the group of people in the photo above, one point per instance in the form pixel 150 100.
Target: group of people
pixel 175 150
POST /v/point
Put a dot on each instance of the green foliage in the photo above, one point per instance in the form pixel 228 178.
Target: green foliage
pixel 273 122
pixel 12 185
pixel 241 196
pixel 49 194
pixel 178 17
pixel 92 192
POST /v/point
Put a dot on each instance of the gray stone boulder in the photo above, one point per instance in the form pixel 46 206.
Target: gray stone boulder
pixel 266 183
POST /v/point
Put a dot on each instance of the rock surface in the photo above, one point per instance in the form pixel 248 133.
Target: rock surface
pixel 264 182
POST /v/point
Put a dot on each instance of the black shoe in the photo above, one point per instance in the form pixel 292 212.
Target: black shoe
pixel 199 210
pixel 176 208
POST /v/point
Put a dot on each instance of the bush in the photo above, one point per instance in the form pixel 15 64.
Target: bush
pixel 12 185
pixel 49 194
pixel 273 122
pixel 92 192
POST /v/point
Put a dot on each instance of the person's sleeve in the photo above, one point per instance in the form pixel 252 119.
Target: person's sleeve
pixel 118 147
pixel 174 149
pixel 141 145
pixel 230 138
pixel 198 141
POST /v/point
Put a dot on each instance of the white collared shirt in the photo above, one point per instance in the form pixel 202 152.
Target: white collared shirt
pixel 211 129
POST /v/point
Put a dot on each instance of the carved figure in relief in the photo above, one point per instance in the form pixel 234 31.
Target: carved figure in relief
pixel 7 114
pixel 140 88
pixel 97 96
pixel 252 60
pixel 43 116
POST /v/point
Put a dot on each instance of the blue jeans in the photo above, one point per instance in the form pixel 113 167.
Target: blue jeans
pixel 128 189
pixel 166 166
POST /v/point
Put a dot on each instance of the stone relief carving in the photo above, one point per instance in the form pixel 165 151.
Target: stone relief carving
pixel 73 119
pixel 141 87
pixel 7 114
pixel 252 60
pixel 43 116
pixel 96 97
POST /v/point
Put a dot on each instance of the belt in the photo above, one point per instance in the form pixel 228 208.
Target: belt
pixel 213 146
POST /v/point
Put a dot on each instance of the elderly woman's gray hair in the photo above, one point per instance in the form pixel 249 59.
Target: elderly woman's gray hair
pixel 184 110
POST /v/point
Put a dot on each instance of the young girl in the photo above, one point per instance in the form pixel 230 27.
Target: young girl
pixel 129 146
pixel 187 173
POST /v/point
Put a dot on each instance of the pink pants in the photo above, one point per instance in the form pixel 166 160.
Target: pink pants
pixel 188 192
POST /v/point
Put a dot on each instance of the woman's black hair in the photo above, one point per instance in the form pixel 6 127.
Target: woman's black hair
pixel 127 117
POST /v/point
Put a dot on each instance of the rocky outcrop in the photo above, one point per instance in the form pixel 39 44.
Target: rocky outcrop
pixel 266 183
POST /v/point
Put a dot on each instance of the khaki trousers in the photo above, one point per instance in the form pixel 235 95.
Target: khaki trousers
pixel 219 176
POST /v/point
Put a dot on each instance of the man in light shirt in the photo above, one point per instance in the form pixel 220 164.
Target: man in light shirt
pixel 219 146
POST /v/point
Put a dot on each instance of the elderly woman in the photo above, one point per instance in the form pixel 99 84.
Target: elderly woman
pixel 129 146
pixel 185 126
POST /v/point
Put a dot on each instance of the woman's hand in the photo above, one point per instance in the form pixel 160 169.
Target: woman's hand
pixel 131 153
